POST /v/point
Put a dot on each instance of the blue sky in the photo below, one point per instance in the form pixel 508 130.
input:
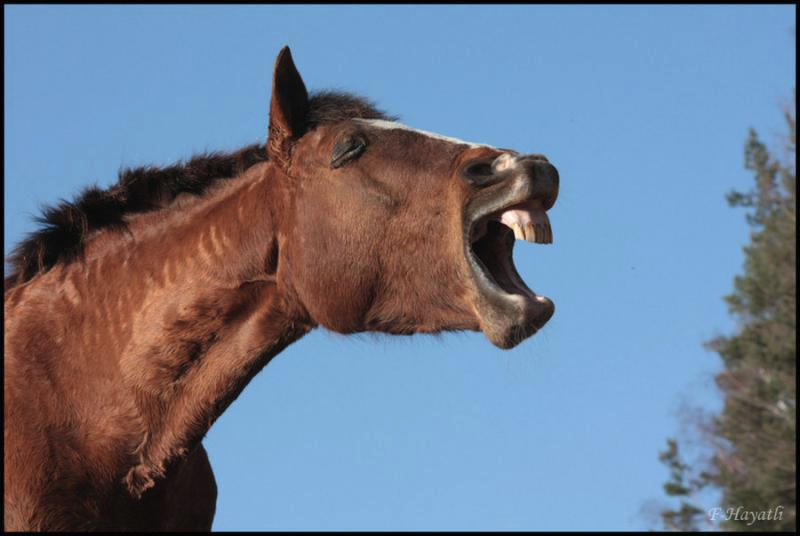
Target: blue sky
pixel 644 110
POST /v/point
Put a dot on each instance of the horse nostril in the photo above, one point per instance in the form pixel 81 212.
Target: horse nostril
pixel 478 173
pixel 481 168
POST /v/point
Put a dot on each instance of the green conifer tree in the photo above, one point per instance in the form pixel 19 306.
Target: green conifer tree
pixel 754 436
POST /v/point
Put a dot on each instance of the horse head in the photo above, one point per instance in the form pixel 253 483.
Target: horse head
pixel 391 229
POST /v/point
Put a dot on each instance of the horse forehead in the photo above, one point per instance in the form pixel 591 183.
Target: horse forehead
pixel 393 125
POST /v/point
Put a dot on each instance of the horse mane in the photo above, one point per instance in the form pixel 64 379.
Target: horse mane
pixel 65 227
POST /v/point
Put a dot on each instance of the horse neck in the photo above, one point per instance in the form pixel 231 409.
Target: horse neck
pixel 182 266
pixel 221 238
pixel 166 323
pixel 180 254
pixel 222 317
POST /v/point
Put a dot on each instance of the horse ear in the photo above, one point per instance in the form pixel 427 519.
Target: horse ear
pixel 288 107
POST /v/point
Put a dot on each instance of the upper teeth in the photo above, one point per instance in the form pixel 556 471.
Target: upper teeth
pixel 529 222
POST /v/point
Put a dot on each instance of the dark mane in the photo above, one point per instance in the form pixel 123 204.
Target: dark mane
pixel 64 228
pixel 327 107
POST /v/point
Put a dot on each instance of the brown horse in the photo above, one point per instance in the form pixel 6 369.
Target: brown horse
pixel 137 314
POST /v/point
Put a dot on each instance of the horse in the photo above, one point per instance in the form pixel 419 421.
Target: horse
pixel 135 315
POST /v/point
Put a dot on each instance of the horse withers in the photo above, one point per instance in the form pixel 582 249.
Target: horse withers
pixel 137 314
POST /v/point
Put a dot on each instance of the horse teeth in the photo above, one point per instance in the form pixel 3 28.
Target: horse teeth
pixel 530 232
pixel 529 222
pixel 544 234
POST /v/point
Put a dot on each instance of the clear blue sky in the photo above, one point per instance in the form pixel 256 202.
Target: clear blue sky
pixel 644 110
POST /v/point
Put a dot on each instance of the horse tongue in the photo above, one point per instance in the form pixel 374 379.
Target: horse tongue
pixel 529 222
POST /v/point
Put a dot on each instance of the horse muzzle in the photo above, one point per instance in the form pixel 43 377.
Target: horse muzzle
pixel 514 194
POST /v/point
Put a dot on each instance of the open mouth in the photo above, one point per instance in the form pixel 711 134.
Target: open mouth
pixel 509 310
pixel 492 241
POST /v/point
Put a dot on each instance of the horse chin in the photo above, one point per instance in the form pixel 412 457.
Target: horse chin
pixel 508 310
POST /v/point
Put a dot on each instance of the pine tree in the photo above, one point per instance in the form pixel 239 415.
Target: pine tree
pixel 754 436
pixel 688 517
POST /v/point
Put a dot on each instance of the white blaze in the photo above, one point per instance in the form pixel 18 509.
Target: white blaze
pixel 393 125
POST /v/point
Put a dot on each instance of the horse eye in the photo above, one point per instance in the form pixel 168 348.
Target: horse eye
pixel 347 149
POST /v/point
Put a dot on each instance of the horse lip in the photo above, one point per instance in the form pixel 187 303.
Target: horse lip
pixel 506 319
pixel 494 200
pixel 512 191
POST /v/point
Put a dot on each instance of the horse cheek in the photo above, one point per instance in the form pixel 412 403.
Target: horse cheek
pixel 336 278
